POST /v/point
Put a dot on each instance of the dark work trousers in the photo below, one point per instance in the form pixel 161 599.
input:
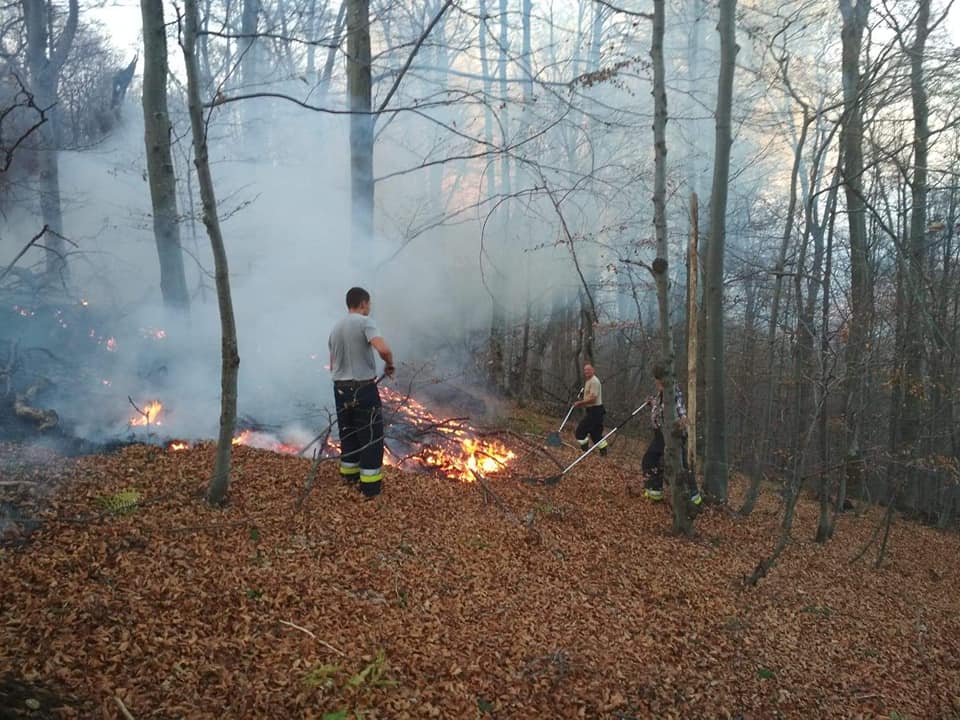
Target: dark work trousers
pixel 360 418
pixel 591 425
pixel 653 464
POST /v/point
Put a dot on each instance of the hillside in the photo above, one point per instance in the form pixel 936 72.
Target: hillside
pixel 565 602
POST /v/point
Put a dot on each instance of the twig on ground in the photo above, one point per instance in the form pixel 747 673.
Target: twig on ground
pixel 123 708
pixel 322 642
pixel 297 627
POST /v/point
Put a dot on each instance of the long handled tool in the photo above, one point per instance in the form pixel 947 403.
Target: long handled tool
pixel 554 479
pixel 553 439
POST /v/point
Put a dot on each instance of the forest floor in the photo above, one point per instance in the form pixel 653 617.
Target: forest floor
pixel 571 601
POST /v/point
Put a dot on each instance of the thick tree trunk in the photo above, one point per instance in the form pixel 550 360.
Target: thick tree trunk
pixel 854 14
pixel 45 60
pixel 361 127
pixel 163 181
pixel 229 354
pixel 715 467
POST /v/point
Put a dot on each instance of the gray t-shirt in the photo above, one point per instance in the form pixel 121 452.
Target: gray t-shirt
pixel 351 355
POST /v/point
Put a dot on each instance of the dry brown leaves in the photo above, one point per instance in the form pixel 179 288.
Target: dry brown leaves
pixel 431 602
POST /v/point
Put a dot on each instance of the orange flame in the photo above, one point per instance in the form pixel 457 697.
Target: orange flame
pixel 264 441
pixel 150 415
pixel 463 455
pixel 456 450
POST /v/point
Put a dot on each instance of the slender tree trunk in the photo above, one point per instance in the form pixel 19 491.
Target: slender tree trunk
pixel 229 354
pixel 311 33
pixel 160 170
pixel 824 520
pixel 715 468
pixel 693 340
pixel 761 448
pixel 45 58
pixel 854 14
pixel 332 52
pixel 499 321
pixel 912 391
pixel 682 522
pixel 249 46
pixel 361 126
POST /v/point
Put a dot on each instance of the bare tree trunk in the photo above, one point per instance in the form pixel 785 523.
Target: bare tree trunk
pixel 332 52
pixel 715 467
pixel 526 62
pixel 761 448
pixel 693 351
pixel 824 520
pixel 163 180
pixel 682 523
pixel 45 58
pixel 912 391
pixel 361 126
pixel 229 354
pixel 854 13
pixel 249 45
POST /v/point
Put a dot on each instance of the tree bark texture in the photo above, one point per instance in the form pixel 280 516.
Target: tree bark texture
pixel 160 169
pixel 361 127
pixel 715 467
pixel 45 59
pixel 229 354
pixel 854 14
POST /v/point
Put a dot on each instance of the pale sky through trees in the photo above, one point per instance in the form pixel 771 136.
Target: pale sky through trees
pixel 121 18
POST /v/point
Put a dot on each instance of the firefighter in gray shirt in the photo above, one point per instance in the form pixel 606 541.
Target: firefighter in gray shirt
pixel 359 414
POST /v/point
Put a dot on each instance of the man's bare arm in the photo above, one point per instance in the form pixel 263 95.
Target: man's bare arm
pixel 380 345
pixel 588 400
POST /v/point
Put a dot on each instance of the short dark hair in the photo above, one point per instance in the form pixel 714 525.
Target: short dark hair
pixel 357 296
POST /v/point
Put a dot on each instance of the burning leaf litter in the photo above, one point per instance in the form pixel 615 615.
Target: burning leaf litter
pixel 416 439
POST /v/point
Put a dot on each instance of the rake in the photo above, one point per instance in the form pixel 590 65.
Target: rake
pixel 554 479
pixel 553 439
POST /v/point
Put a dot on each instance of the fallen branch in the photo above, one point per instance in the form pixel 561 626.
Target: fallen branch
pixel 297 627
pixel 490 496
pixel 123 708
pixel 322 642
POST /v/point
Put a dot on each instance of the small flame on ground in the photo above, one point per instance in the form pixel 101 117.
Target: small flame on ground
pixel 25 312
pixel 150 415
pixel 265 441
pixel 178 445
pixel 154 333
pixel 111 344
